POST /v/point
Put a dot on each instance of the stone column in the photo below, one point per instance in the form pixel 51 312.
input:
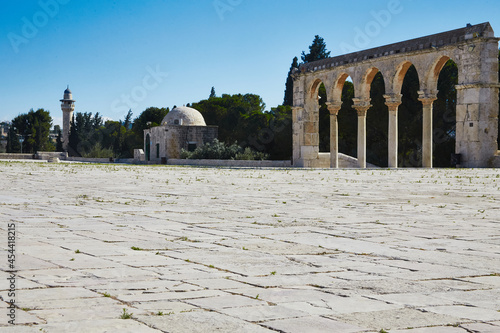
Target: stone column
pixel 334 143
pixel 427 101
pixel 362 108
pixel 297 133
pixel 393 102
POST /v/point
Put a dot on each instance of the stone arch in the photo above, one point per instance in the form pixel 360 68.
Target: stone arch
pixel 338 86
pixel 399 76
pixel 320 116
pixel 366 82
pixel 445 115
pixel 431 77
pixel 377 122
pixel 314 88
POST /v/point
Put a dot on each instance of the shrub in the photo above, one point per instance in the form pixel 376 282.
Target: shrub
pixel 99 152
pixel 217 150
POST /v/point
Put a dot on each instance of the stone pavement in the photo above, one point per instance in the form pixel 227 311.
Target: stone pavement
pixel 244 250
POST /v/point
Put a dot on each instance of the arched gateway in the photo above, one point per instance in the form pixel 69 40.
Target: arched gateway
pixel 475 51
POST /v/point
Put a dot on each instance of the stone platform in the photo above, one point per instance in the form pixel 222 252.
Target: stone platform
pixel 243 250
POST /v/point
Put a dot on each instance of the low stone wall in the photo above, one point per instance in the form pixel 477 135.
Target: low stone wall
pixel 232 163
pixel 5 156
pixel 47 155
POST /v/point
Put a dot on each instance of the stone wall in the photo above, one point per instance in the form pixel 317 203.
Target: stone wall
pixel 43 155
pixel 5 156
pixel 173 138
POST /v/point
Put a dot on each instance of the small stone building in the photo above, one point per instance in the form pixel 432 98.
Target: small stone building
pixel 182 128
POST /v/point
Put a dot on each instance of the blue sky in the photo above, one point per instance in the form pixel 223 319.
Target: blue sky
pixel 123 54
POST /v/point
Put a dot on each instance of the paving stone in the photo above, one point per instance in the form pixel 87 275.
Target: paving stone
pixel 201 322
pixel 218 284
pixel 311 325
pixel 490 281
pixel 161 296
pixel 488 299
pixel 97 326
pixel 167 307
pixel 312 308
pixel 440 329
pixel 224 301
pixel 414 300
pixel 481 328
pixel 398 319
pixel 468 312
pixel 358 304
pixel 84 313
pixel 263 313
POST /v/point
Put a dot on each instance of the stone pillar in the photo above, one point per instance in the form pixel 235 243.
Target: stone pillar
pixel 362 108
pixel 393 102
pixel 334 137
pixel 297 133
pixel 477 103
pixel 427 101
pixel 67 117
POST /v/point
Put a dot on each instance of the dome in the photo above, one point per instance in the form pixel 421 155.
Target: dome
pixel 68 96
pixel 184 116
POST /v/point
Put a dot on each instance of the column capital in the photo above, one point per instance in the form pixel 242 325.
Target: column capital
pixel 361 106
pixel 427 98
pixel 334 108
pixel 393 101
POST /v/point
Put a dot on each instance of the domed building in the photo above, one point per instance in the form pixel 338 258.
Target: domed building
pixel 182 128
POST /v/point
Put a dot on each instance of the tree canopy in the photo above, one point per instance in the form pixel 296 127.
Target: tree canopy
pixel 288 100
pixel 34 128
pixel 317 51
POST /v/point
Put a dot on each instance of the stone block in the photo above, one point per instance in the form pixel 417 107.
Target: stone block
pixel 309 152
pixel 310 127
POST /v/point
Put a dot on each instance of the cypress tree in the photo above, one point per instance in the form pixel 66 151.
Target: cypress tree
pixel 288 100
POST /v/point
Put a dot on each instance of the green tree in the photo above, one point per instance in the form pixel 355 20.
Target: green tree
pixel 410 122
pixel 85 132
pixel 212 93
pixel 444 116
pixel 377 120
pixel 34 127
pixel 59 144
pixel 151 117
pixel 13 144
pixel 317 51
pixel 127 123
pixel 348 122
pixel 238 116
pixel 288 100
pixel 280 125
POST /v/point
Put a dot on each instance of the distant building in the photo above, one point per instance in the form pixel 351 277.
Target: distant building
pixel 67 107
pixel 4 129
pixel 182 128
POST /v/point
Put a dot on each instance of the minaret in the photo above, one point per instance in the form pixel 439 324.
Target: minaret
pixel 67 106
